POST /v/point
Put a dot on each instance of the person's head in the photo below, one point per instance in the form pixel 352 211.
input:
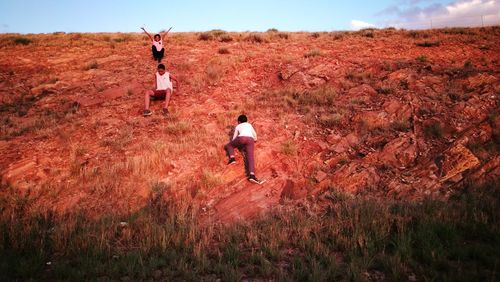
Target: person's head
pixel 157 37
pixel 242 119
pixel 161 69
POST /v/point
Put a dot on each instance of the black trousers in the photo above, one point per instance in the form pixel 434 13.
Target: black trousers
pixel 157 55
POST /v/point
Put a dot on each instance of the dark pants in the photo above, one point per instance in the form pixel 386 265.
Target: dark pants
pixel 157 55
pixel 246 144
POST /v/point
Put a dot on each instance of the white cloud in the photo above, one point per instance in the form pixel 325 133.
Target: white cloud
pixel 357 25
pixel 414 14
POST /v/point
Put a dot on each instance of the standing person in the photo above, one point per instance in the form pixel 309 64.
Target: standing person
pixel 157 45
pixel 163 90
pixel 244 137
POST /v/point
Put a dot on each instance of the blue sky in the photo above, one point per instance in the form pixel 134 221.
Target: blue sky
pixel 45 16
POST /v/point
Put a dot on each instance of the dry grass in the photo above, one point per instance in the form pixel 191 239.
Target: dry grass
pixel 348 239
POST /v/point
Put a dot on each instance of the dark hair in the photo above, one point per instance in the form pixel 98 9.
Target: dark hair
pixel 242 119
pixel 161 66
pixel 157 35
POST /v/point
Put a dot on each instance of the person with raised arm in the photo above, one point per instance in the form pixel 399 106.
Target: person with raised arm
pixel 157 44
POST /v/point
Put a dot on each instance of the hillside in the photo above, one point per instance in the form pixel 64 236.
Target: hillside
pixel 378 114
pixel 399 114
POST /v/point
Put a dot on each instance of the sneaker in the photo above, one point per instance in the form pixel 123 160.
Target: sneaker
pixel 147 113
pixel 253 179
pixel 231 161
pixel 165 111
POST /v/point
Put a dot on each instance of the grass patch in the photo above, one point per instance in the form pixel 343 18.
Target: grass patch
pixel 346 239
pixel 433 130
pixel 289 148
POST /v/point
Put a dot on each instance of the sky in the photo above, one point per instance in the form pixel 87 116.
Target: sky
pixel 46 16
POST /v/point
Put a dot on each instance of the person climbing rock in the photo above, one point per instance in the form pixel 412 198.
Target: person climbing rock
pixel 244 139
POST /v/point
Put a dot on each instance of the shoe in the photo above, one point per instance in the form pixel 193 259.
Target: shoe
pixel 231 161
pixel 147 113
pixel 253 179
pixel 165 112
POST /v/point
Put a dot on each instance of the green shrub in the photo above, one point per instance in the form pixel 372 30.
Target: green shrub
pixel 22 40
pixel 428 43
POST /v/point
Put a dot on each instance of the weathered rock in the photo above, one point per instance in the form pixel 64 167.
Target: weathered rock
pixel 400 152
pixel 292 191
pixel 373 119
pixel 16 171
pixel 320 176
pixel 456 161
pixel 397 110
pixel 488 173
pixel 355 177
pixel 320 71
pixel 481 80
pixel 288 71
pixel 362 90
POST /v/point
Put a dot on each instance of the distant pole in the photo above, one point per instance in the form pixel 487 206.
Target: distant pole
pixel 431 23
pixel 482 20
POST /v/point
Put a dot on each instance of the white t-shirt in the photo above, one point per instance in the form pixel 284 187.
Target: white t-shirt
pixel 163 81
pixel 245 129
pixel 158 44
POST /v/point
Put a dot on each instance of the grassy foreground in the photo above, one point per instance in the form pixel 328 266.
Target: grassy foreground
pixel 336 238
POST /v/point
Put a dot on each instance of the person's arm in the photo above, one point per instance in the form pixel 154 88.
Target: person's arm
pixel 150 37
pixel 254 134
pixel 156 86
pixel 235 134
pixel 176 82
pixel 165 35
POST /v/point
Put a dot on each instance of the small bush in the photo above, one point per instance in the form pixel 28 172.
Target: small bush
pixel 468 65
pixel 22 41
pixel 223 50
pixel 428 43
pixel 255 38
pixel 225 38
pixel 337 35
pixel 367 32
pixel 422 58
pixel 272 30
pixel 218 32
pixel 433 130
pixel 312 53
pixel 205 36
pixel 384 90
pixel 283 35
pixel 401 125
pixel 315 35
pixel 91 65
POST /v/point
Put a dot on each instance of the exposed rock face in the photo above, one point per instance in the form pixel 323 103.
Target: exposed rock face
pixel 456 161
pixel 71 126
pixel 355 177
pixel 400 152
